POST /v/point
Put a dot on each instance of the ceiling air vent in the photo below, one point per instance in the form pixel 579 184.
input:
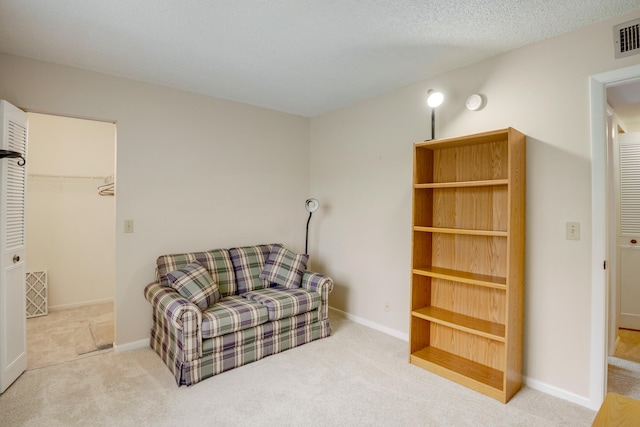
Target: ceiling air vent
pixel 626 38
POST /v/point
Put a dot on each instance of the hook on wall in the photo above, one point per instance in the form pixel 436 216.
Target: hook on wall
pixel 13 154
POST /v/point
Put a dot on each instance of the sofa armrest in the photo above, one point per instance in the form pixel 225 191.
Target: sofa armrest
pixel 321 284
pixel 182 314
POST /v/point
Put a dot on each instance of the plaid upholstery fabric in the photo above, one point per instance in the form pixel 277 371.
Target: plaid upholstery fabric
pixel 195 283
pixel 175 332
pixel 283 302
pixel 218 362
pixel 260 332
pixel 248 263
pixel 217 262
pixel 284 267
pixel 232 314
pixel 177 329
pixel 321 284
pixel 173 340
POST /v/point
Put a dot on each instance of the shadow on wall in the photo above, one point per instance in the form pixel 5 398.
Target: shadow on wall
pixel 315 236
pixel 556 302
pixel 340 293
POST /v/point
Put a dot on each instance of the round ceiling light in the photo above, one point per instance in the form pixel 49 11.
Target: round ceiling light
pixel 476 102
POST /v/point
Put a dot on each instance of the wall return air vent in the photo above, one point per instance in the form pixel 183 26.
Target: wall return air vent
pixel 626 39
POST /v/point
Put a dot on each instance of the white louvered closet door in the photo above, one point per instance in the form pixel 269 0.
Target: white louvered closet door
pixel 629 231
pixel 13 320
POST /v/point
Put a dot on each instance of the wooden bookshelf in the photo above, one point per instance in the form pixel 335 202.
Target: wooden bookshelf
pixel 468 260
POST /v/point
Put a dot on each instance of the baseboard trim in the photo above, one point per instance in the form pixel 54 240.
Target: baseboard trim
pixel 558 392
pixel 135 345
pixel 529 382
pixel 60 307
pixel 372 325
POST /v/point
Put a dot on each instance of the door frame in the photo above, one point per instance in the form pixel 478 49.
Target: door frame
pixel 600 250
pixel 115 165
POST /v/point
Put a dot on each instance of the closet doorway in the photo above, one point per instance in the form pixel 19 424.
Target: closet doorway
pixel 70 238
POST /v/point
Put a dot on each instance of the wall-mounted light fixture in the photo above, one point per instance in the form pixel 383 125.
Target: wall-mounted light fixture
pixel 434 100
pixel 311 205
pixel 13 154
pixel 476 102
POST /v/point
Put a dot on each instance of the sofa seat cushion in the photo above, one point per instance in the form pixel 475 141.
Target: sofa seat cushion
pixel 232 314
pixel 283 302
pixel 258 333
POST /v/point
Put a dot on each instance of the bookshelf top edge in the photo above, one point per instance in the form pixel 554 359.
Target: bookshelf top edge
pixel 475 139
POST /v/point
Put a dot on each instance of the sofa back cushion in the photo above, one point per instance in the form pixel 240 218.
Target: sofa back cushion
pixel 248 262
pixel 217 262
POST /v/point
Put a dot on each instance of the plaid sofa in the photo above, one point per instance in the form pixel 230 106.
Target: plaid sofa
pixel 253 319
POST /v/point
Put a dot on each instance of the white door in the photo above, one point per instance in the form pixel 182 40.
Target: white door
pixel 629 231
pixel 13 318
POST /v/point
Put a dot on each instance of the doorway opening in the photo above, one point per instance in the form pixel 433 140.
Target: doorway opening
pixel 601 283
pixel 623 139
pixel 70 235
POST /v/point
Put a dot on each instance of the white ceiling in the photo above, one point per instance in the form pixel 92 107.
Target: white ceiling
pixel 300 56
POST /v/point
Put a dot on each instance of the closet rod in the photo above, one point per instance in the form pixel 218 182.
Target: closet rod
pixel 44 175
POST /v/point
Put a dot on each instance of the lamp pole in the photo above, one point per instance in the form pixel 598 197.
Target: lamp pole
pixel 433 123
pixel 306 241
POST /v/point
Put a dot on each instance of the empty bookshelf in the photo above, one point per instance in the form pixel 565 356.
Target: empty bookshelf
pixel 467 281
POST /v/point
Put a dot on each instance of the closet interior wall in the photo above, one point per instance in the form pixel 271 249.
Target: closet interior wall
pixel 70 222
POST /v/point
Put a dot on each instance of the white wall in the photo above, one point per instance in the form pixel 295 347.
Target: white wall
pixel 361 169
pixel 193 172
pixel 70 228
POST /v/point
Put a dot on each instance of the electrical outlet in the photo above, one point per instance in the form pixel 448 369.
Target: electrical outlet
pixel 128 226
pixel 573 231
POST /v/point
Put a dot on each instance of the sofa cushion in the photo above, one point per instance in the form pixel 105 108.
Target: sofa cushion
pixel 232 314
pixel 217 262
pixel 195 284
pixel 284 302
pixel 258 333
pixel 248 263
pixel 284 267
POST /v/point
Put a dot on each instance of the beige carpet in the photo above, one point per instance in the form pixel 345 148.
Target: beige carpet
pixel 66 335
pixel 624 377
pixel 624 366
pixel 356 377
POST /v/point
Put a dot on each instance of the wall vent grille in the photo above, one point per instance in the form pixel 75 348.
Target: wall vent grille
pixel 37 294
pixel 626 38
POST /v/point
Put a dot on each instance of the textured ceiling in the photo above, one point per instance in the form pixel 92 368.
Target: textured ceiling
pixel 300 56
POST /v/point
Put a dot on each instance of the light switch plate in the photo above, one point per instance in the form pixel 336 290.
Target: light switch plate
pixel 128 226
pixel 573 231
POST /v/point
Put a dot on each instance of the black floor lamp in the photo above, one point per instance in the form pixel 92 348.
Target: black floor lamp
pixel 311 205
